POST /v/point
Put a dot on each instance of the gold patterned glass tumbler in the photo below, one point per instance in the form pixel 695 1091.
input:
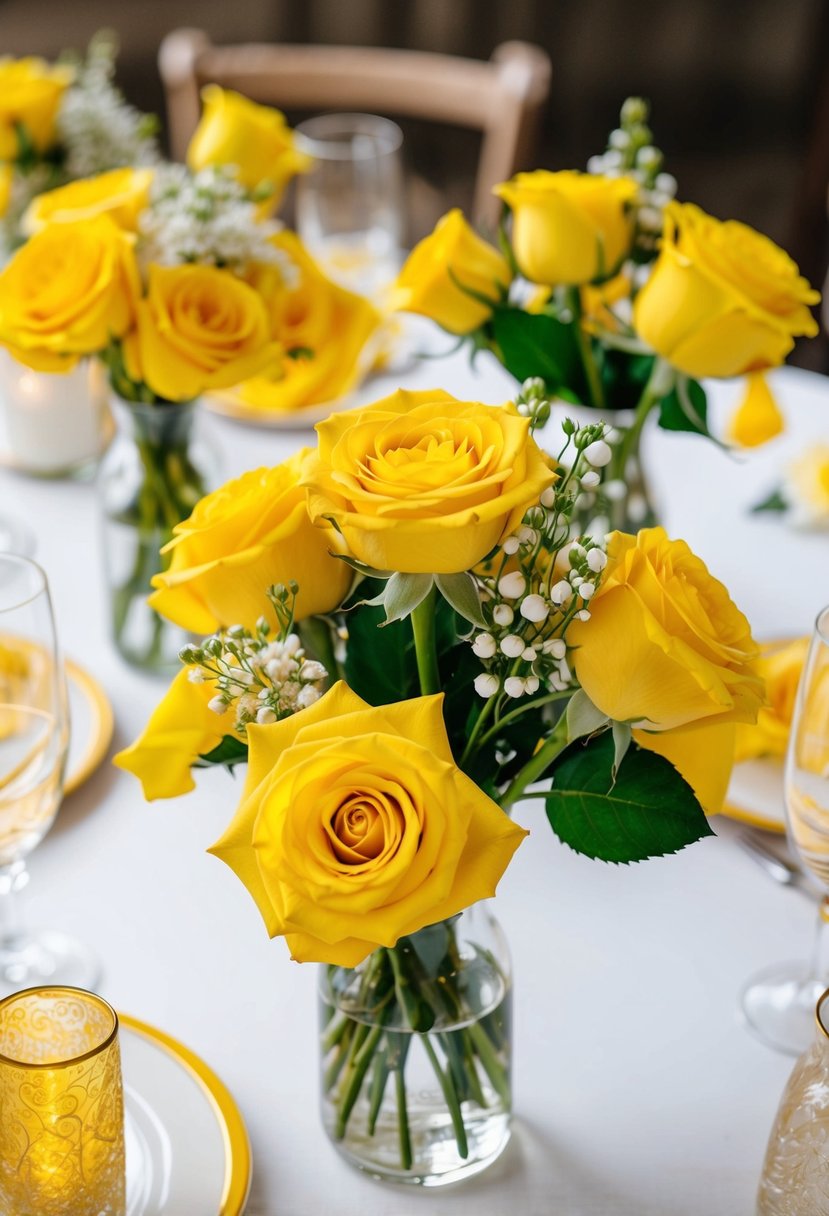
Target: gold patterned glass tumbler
pixel 795 1179
pixel 61 1105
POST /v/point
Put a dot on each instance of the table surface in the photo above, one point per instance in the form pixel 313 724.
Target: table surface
pixel 637 1092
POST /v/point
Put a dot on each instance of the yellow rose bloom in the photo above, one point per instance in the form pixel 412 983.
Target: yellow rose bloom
pixel 30 96
pixel 240 540
pixel 569 227
pixel 356 827
pixel 806 489
pixel 780 668
pixel 181 728
pixel 722 300
pixel 318 316
pixel 122 194
pixel 757 418
pixel 6 182
pixel 439 267
pixel 199 328
pixel 67 292
pixel 424 483
pixel 255 139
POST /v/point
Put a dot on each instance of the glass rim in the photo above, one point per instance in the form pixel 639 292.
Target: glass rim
pixel 58 989
pixel 822 1025
pixel 339 146
pixel 20 559
pixel 822 625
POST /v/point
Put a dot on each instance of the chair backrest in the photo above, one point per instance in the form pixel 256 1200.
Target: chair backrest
pixel 502 98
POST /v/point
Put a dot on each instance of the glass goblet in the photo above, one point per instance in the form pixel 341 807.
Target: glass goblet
pixel 779 1003
pixel 34 736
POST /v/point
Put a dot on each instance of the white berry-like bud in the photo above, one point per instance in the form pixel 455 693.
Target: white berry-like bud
pixel 548 497
pixel 590 480
pixel 484 646
pixel 527 536
pixel 512 585
pixel 195 675
pixel 502 615
pixel 534 608
pixel 514 686
pixel 486 685
pixel 555 647
pixel 312 670
pixel 217 704
pixel 561 592
pixel 512 645
pixel 564 671
pixel 597 560
pixel 583 615
pixel 307 695
pixel 291 644
pixel 265 715
pixel 576 580
pixel 586 590
pixel 510 545
pixel 531 684
pixel 598 453
pixel 528 654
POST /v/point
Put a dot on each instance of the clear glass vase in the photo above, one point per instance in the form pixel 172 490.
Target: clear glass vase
pixel 416 1053
pixel 151 478
pixel 795 1180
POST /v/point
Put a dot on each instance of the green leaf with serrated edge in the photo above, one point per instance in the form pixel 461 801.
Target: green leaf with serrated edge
pixel 583 717
pixel 685 408
pixel 229 752
pixel 622 739
pixel 774 502
pixel 461 591
pixel 537 344
pixel 379 662
pixel 403 594
pixel 649 811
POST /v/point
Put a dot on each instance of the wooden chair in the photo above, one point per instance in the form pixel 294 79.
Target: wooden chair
pixel 502 98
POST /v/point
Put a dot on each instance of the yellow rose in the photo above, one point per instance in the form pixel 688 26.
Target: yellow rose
pixel 357 828
pixel 181 728
pixel 807 487
pixel 440 266
pixel 30 96
pixel 121 194
pixel 780 668
pixel 67 292
pixel 757 418
pixel 6 183
pixel 255 139
pixel 317 316
pixel 722 300
pixel 241 539
pixel 199 328
pixel 569 227
pixel 424 483
pixel 666 650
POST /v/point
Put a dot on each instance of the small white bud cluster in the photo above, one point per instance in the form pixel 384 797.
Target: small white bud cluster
pixel 533 402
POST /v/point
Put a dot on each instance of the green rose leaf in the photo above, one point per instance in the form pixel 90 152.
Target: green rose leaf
pixel 229 752
pixel 461 591
pixel 537 344
pixel 776 501
pixel 649 811
pixel 685 408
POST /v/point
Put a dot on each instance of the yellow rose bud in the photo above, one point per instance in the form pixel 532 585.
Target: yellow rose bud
pixel 666 650
pixel 67 292
pixel 722 300
pixel 569 227
pixel 356 827
pixel 122 194
pixel 181 728
pixel 30 96
pixel 240 540
pixel 806 487
pixel 6 182
pixel 757 418
pixel 780 668
pixel 255 139
pixel 438 269
pixel 199 328
pixel 329 328
pixel 424 483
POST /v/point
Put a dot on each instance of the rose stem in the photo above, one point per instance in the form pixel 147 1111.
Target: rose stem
pixel 402 1114
pixel 379 1081
pixel 450 1095
pixel 423 628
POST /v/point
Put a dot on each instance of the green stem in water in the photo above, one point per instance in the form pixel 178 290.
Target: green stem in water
pixel 660 382
pixel 423 629
pixel 591 371
pixel 450 1095
pixel 403 1135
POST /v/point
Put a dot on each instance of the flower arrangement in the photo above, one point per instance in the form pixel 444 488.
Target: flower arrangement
pixel 61 122
pixel 620 299
pixel 405 640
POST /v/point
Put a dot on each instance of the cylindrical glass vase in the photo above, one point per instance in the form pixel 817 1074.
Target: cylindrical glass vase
pixel 154 473
pixel 416 1053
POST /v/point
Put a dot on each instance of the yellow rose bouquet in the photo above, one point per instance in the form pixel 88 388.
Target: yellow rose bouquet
pixel 618 297
pixel 405 640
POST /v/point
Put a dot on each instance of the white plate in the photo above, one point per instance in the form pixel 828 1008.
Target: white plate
pixel 755 794
pixel 188 1152
pixel 91 724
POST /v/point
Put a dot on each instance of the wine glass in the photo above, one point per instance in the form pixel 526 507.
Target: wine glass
pixel 779 1003
pixel 34 736
pixel 349 207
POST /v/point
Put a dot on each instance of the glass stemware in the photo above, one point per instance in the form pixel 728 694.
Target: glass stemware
pixel 34 736
pixel 779 1003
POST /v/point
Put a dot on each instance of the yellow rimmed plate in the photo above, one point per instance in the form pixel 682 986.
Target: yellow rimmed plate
pixel 188 1152
pixel 91 725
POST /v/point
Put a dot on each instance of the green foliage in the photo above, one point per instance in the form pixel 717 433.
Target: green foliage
pixel 229 752
pixel 776 501
pixel 649 810
pixel 538 344
pixel 623 376
pixel 685 408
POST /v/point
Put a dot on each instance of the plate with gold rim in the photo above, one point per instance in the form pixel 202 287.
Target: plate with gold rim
pixel 755 795
pixel 187 1147
pixel 91 725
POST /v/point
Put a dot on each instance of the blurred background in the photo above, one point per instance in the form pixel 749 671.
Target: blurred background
pixel 739 90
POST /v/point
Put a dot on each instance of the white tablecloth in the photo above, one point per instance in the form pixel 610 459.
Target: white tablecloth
pixel 636 1091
